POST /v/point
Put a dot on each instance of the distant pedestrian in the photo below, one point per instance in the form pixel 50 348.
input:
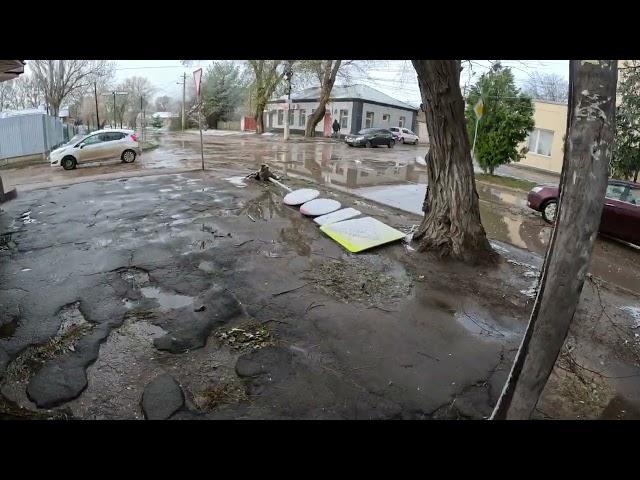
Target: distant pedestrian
pixel 336 128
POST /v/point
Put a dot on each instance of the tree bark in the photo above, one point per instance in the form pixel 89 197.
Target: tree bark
pixel 259 116
pixel 583 182
pixel 451 227
pixel 328 80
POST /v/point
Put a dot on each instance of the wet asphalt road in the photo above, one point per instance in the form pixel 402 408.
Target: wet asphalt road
pixel 106 285
pixel 394 177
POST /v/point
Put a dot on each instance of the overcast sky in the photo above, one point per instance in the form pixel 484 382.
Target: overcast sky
pixel 396 78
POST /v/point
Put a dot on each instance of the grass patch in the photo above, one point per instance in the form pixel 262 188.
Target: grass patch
pixel 249 336
pixel 220 394
pixel 524 185
pixel 146 145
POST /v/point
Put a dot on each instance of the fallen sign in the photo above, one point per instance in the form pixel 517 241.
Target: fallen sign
pixel 319 206
pixel 298 197
pixel 337 216
pixel 361 233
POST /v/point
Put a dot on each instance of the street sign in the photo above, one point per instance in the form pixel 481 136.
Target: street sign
pixel 479 109
pixel 197 77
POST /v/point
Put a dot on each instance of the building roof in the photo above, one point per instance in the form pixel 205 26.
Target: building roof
pixel 344 92
pixel 27 111
pixel 165 115
pixel 10 69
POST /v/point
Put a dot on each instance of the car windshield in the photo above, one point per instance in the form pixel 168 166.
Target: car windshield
pixel 364 131
pixel 75 139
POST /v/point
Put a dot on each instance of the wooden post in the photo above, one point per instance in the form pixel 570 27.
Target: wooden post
pixel 583 182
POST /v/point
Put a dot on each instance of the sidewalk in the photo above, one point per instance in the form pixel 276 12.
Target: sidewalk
pixel 524 173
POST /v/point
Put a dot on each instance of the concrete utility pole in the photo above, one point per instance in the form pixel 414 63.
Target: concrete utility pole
pixel 95 94
pixel 288 75
pixel 184 87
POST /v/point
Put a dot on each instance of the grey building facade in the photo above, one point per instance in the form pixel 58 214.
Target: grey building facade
pixel 354 106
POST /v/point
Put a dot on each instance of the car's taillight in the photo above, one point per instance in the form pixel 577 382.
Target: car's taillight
pixel 133 137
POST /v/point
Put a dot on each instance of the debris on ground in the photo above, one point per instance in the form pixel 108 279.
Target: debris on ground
pixel 224 392
pixel 251 336
pixel 264 174
pixel 358 282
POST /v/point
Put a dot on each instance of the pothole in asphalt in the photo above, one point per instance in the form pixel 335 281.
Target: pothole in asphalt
pixel 167 300
pixel 8 329
pixel 73 326
pixel 134 276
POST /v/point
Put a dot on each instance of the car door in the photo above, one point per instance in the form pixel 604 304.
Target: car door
pixel 612 211
pixel 89 148
pixel 629 216
pixel 113 142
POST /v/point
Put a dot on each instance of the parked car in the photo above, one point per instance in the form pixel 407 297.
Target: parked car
pixel 371 137
pixel 620 214
pixel 98 145
pixel 405 135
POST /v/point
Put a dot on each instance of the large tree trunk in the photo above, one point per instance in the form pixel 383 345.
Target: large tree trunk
pixel 583 182
pixel 314 119
pixel 328 80
pixel 451 227
pixel 259 117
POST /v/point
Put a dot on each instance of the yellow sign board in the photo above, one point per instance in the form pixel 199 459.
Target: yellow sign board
pixel 479 109
pixel 362 233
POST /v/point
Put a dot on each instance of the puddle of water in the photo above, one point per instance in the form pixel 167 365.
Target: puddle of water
pixel 71 317
pixel 167 300
pixel 237 181
pixel 9 328
pixel 634 312
pixel 207 266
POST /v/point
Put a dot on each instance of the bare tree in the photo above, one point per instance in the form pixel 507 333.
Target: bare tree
pixel 325 72
pixel 451 226
pixel 58 79
pixel 163 103
pixel 267 74
pixel 137 88
pixel 547 86
pixel 583 182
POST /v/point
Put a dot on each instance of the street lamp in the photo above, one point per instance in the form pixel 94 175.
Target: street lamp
pixel 114 104
pixel 288 74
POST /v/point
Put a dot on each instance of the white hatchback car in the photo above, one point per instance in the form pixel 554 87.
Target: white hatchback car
pixel 98 145
pixel 404 135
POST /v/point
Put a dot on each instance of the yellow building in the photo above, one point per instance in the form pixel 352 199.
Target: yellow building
pixel 546 140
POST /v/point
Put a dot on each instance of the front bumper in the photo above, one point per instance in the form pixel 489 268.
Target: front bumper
pixel 534 200
pixel 354 143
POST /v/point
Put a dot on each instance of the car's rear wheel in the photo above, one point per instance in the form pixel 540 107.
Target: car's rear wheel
pixel 128 156
pixel 401 139
pixel 367 144
pixel 392 142
pixel 549 211
pixel 68 163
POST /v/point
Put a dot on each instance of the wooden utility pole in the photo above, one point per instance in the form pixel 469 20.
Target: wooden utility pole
pixel 583 182
pixel 184 96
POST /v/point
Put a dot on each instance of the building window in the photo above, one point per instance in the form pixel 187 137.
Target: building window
pixel 344 118
pixel 303 117
pixel 540 142
pixel 280 117
pixel 368 121
pixel 291 115
pixel 402 121
pixel 386 117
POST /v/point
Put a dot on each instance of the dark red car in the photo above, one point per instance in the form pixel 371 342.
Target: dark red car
pixel 620 215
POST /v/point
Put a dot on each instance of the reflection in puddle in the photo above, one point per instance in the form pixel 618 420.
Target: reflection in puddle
pixel 237 181
pixel 167 300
